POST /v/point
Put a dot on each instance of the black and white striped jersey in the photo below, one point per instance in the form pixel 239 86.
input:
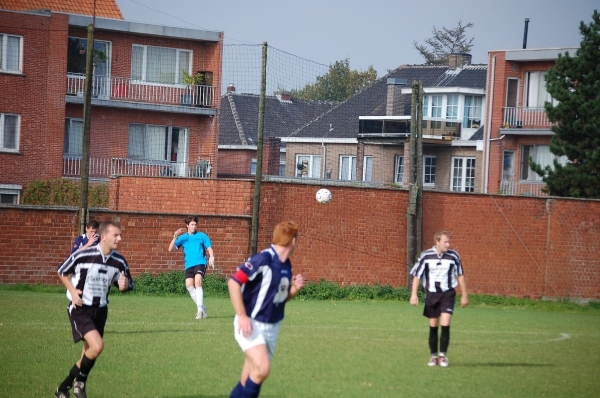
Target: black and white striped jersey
pixel 93 274
pixel 438 273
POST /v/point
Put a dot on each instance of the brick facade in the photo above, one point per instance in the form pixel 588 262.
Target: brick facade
pixel 514 246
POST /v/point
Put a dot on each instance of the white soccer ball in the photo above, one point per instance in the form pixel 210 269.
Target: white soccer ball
pixel 323 196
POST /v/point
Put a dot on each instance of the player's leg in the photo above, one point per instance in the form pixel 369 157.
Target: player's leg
pixel 446 317
pixel 198 279
pixel 189 284
pixel 258 364
pixel 432 312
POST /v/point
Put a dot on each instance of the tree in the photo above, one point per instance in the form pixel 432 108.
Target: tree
pixel 445 42
pixel 575 83
pixel 338 84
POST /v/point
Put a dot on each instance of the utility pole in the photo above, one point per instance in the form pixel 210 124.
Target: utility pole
pixel 87 112
pixel 259 150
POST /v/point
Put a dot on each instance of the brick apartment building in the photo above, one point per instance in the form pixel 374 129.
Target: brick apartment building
pixel 145 119
pixel 518 124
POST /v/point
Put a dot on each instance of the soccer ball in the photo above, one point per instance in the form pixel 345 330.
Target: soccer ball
pixel 323 196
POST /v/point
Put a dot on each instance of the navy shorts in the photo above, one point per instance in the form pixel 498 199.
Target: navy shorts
pixel 85 319
pixel 436 303
pixel 196 269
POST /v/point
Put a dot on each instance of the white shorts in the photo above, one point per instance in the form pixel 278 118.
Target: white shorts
pixel 262 333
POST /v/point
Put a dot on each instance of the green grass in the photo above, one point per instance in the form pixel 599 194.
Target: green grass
pixel 155 348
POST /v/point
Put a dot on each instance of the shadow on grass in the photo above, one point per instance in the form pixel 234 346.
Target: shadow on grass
pixel 504 365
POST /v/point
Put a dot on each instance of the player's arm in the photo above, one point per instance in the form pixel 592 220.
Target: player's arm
pixel 414 298
pixel 464 299
pixel 235 295
pixel 211 257
pixel 175 236
pixel 75 294
pixel 297 284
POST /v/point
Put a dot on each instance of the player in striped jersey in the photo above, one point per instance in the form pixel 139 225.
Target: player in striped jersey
pixel 258 291
pixel 440 271
pixel 88 275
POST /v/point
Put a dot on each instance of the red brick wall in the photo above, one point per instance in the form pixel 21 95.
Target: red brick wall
pixel 515 246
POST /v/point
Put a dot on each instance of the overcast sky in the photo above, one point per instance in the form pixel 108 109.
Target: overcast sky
pixel 371 32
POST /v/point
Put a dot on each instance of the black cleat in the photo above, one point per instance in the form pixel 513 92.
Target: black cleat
pixel 79 389
pixel 61 394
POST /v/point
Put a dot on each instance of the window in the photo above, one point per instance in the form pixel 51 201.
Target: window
pixel 308 166
pixel 282 165
pixel 429 170
pixel 76 56
pixel 159 64
pixel 535 90
pixel 472 118
pixel 368 168
pixel 347 167
pixel 541 155
pixel 463 174
pixel 508 166
pixel 436 110
pixel 73 137
pixel 512 92
pixel 11 48
pixel 253 166
pixel 399 169
pixel 158 143
pixel 10 194
pixel 9 132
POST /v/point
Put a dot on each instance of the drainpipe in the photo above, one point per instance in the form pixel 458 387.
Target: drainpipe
pixel 487 130
pixel 324 168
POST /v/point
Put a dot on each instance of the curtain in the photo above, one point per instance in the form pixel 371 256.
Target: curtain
pixel 160 64
pixel 368 161
pixel 137 62
pixel 10 132
pixel 136 141
pixel 13 50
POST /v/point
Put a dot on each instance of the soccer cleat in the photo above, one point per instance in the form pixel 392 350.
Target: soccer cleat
pixel 61 394
pixel 443 362
pixel 204 312
pixel 79 389
pixel 199 314
pixel 433 361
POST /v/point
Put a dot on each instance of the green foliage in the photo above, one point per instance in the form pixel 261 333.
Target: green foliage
pixel 338 84
pixel 325 290
pixel 173 283
pixel 575 83
pixel 444 42
pixel 61 192
pixel 192 80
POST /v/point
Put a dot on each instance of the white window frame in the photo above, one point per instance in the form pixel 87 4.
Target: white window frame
pixel 13 190
pixel 368 168
pixel 178 67
pixel 467 182
pixel 469 120
pixel 313 171
pixel 182 145
pixel 508 173
pixel 4 50
pixel 69 134
pixel 535 94
pixel 350 173
pixel 399 169
pixel 253 166
pixel 429 159
pixel 17 132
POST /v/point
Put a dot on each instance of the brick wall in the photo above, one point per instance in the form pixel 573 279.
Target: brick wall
pixel 515 246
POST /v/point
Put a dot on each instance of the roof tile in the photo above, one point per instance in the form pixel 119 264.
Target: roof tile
pixel 104 8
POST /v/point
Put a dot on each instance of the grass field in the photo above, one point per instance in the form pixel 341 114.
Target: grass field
pixel 155 348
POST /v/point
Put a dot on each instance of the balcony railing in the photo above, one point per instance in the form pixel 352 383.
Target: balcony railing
pixel 522 188
pixel 522 117
pixel 125 89
pixel 102 168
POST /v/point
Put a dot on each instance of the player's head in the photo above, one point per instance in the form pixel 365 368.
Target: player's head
pixel 191 222
pixel 285 233
pixel 442 241
pixel 110 235
pixel 91 227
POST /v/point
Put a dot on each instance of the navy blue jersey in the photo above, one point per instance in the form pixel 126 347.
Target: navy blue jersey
pixel 80 242
pixel 265 284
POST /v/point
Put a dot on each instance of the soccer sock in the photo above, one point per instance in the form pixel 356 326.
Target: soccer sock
pixel 444 340
pixel 86 366
pixel 199 297
pixel 433 340
pixel 237 391
pixel 192 291
pixel 68 382
pixel 251 390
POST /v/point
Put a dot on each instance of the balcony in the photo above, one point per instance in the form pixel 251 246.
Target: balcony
pixel 110 88
pixel 103 168
pixel 522 188
pixel 525 118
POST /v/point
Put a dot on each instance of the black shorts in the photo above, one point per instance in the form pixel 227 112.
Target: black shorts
pixel 85 319
pixel 196 269
pixel 436 303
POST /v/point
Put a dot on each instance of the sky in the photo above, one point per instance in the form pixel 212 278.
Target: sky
pixel 371 32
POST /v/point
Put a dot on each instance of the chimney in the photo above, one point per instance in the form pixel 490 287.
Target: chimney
pixel 525 33
pixel 458 60
pixel 283 95
pixel 231 88
pixel 395 104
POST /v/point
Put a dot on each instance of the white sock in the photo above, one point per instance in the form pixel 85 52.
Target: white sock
pixel 199 297
pixel 192 291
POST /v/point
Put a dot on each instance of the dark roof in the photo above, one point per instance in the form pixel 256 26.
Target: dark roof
pixel 281 117
pixel 477 135
pixel 372 100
